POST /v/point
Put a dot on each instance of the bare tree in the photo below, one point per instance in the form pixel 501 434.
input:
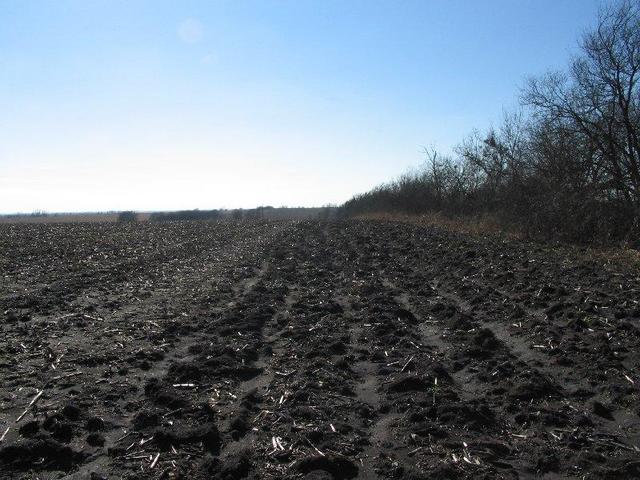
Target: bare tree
pixel 567 165
pixel 597 101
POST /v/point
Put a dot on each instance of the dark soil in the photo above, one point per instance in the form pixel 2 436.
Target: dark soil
pixel 312 350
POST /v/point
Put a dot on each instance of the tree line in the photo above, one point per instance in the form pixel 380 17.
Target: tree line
pixel 565 165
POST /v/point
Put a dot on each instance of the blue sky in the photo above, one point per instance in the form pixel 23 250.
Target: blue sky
pixel 152 105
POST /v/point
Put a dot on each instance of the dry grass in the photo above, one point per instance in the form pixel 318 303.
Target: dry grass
pixel 469 225
pixel 620 256
pixel 479 226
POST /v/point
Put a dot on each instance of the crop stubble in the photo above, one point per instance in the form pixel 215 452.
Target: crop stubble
pixel 312 350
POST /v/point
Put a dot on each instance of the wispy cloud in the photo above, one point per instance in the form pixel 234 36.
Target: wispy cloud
pixel 207 59
pixel 190 30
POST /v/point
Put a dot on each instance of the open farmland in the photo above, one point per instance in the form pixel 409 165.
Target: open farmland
pixel 354 349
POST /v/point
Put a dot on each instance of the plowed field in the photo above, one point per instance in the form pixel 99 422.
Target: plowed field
pixel 371 350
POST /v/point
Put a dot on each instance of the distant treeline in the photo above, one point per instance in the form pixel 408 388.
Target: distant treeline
pixel 258 213
pixel 185 215
pixel 238 214
pixel 566 165
pixel 247 214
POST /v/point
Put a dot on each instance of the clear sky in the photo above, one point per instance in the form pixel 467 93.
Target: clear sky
pixel 151 105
